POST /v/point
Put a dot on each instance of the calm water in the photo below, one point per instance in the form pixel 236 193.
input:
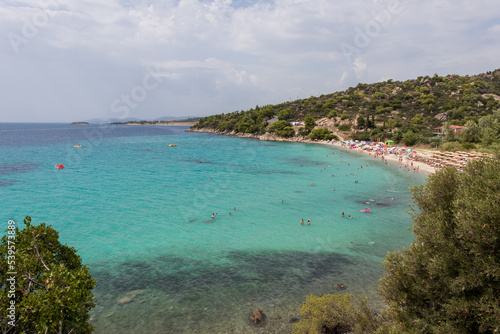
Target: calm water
pixel 139 213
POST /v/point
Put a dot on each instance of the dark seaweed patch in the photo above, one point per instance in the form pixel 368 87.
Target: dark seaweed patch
pixel 7 168
pixel 7 183
pixel 178 276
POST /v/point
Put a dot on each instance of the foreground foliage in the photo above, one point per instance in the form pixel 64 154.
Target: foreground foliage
pixel 336 314
pixel 52 287
pixel 448 280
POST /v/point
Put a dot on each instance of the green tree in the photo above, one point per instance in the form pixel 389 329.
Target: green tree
pixel 309 123
pixel 52 287
pixel 361 122
pixel 471 133
pixel 322 134
pixel 410 138
pixel 282 129
pixel 447 281
pixel 332 114
pixel 285 114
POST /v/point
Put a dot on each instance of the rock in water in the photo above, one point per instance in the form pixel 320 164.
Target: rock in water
pixel 255 316
pixel 340 286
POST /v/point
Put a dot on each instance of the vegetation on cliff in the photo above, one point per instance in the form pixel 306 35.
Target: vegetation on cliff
pixel 384 110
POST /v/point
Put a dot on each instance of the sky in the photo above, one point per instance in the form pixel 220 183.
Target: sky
pixel 80 60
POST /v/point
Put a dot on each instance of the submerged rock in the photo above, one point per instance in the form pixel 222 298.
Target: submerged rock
pixel 136 293
pixel 124 300
pixel 256 317
pixel 340 286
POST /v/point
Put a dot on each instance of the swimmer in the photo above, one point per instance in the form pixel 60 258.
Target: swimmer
pixel 343 214
pixel 282 202
pixel 356 243
pixel 234 208
pixel 302 221
pixel 308 222
pixel 229 212
pixel 333 189
pixel 213 215
pixel 350 217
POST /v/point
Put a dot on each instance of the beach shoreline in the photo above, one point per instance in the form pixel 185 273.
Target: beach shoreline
pixel 409 164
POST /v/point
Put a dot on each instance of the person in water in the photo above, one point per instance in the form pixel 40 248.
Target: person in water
pixel 343 214
pixel 308 222
pixel 213 215
pixel 302 221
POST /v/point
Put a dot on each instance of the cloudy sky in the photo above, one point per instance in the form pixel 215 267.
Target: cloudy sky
pixel 72 60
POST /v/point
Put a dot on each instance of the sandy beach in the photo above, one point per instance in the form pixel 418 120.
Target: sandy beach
pixel 412 160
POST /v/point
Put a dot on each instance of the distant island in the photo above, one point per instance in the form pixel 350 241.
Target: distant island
pixel 180 122
pixel 78 123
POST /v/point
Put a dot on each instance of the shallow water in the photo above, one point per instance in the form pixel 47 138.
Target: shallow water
pixel 139 213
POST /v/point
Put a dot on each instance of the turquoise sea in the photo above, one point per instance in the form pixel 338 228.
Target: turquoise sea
pixel 139 213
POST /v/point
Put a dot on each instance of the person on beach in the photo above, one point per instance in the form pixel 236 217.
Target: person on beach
pixel 302 221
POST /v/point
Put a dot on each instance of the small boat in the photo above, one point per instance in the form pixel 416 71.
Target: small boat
pixel 78 145
pixel 172 145
pixel 59 166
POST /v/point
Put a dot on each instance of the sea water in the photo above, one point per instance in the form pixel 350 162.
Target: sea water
pixel 139 212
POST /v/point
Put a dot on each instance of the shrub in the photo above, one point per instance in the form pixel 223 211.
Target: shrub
pixel 447 279
pixel 322 134
pixel 345 127
pixel 330 314
pixel 451 146
pixel 410 138
pixel 337 313
pixel 332 114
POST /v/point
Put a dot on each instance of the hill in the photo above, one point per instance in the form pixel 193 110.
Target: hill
pixel 385 110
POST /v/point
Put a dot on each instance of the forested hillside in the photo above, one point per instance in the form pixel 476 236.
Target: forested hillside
pixel 385 110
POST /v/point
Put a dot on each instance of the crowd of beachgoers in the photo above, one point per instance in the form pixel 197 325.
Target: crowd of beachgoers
pixel 425 160
pixel 412 159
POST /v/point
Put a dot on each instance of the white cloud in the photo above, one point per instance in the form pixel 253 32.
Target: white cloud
pixel 222 55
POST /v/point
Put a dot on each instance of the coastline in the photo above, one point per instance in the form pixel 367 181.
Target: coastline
pixel 409 163
pixel 163 124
